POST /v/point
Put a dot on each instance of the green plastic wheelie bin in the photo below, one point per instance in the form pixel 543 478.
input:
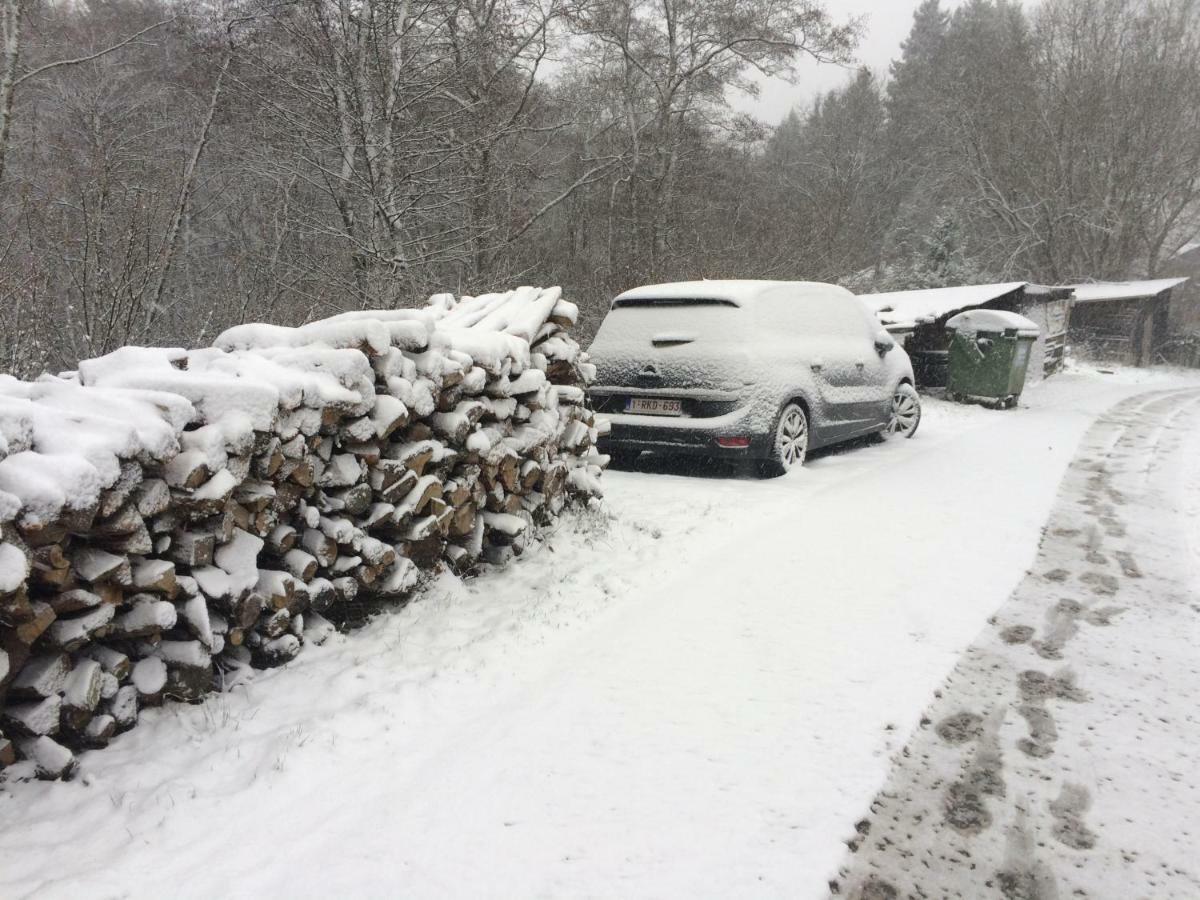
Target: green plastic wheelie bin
pixel 989 356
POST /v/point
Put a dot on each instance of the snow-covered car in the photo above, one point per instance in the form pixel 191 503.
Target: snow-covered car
pixel 752 370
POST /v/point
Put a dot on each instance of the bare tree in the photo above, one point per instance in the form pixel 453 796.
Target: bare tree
pixel 13 15
pixel 674 61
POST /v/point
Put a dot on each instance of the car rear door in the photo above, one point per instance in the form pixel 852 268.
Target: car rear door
pixel 651 350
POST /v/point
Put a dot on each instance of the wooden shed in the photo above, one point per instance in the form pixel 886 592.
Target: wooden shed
pixel 918 319
pixel 1124 322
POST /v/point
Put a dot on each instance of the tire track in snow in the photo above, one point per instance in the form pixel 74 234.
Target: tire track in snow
pixel 1058 763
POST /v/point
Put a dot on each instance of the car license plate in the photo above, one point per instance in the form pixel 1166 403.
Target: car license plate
pixel 654 406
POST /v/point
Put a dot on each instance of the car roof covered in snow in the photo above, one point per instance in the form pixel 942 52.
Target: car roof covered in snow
pixel 1102 291
pixel 732 291
pixel 931 304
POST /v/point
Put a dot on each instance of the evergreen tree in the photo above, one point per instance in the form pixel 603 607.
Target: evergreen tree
pixel 916 83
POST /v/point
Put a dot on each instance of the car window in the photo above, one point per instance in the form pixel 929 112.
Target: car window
pixel 709 321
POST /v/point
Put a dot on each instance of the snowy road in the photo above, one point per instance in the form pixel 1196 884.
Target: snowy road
pixel 697 696
pixel 1059 758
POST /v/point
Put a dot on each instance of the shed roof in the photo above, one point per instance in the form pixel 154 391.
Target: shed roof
pixel 737 292
pixel 931 304
pixel 1103 291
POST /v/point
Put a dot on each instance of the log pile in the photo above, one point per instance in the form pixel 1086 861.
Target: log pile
pixel 168 517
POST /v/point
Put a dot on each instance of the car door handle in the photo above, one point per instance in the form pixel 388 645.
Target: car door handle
pixel 860 366
pixel 816 367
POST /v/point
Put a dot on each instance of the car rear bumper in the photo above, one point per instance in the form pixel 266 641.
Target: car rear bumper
pixel 684 435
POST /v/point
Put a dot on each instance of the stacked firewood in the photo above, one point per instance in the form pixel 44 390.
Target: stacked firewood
pixel 168 517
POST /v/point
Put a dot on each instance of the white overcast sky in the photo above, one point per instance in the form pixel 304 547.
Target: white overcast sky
pixel 887 25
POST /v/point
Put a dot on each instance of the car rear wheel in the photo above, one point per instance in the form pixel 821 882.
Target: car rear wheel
pixel 790 446
pixel 906 412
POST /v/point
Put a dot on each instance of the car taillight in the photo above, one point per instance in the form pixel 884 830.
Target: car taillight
pixel 733 443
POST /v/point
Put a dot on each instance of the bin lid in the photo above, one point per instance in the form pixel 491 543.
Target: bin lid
pixel 976 320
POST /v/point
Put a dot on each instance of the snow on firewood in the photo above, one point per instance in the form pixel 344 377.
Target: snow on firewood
pixel 170 516
pixel 14 568
pixel 184 653
pixel 52 759
pixel 149 676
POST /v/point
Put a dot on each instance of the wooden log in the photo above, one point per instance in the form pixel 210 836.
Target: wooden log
pixel 282 539
pixel 71 633
pixel 43 676
pixel 508 472
pixel 193 548
pixel 99 566
pixel 462 522
pixel 124 707
pixel 244 611
pixel 427 488
pixel 456 492
pixel 43 618
pixel 51 566
pixel 530 475
pixel 145 616
pixel 277 652
pixel 376 553
pixel 52 761
pixel 322 547
pixel 421 528
pixel 368 452
pixel 345 588
pixel 81 695
pixel 354 500
pixel 459 558
pixel 300 564
pixel 255 496
pixel 119 493
pixel 155 576
pixel 426 553
pixel 388 416
pixel 33 719
pixel 149 677
pixel 187 470
pixel 99 731
pixel 321 594
pixel 189 670
pixel 15 607
pixel 415 455
pixel 152 498
pixel 111 661
pixel 274 624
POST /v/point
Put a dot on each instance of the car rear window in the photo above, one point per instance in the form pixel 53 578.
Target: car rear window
pixel 674 320
pixel 671 301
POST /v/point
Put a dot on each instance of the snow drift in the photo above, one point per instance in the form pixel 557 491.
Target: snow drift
pixel 167 516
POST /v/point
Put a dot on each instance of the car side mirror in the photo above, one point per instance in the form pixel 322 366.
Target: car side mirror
pixel 882 347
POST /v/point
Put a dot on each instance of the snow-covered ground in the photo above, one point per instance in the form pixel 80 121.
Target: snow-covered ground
pixel 693 693
pixel 1058 759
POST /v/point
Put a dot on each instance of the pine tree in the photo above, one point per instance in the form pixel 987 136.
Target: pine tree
pixel 916 81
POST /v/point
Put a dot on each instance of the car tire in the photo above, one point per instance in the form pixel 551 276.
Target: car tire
pixel 905 414
pixel 789 443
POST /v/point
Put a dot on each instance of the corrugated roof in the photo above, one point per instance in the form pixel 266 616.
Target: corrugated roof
pixel 931 304
pixel 1102 291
